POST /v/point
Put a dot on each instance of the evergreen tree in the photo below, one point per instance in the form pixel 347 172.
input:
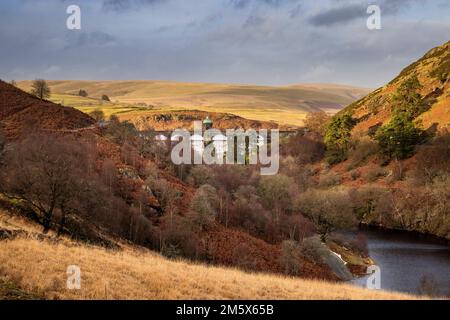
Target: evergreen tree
pixel 398 138
pixel 337 138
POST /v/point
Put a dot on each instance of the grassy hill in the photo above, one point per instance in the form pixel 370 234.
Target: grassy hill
pixel 285 105
pixel 433 73
pixel 37 269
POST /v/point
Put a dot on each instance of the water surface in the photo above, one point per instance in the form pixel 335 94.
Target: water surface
pixel 405 258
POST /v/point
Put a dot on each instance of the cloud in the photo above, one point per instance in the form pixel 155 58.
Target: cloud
pixel 240 4
pixel 349 11
pixel 90 39
pixel 338 15
pixel 253 21
pixel 243 41
pixel 123 5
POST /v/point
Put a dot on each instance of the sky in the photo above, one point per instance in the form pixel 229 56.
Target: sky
pixel 266 42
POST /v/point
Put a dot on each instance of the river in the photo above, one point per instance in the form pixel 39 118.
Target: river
pixel 405 258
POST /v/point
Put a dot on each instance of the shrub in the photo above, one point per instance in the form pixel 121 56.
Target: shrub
pixel 330 210
pixel 373 173
pixel 82 93
pixel 97 115
pixel 200 175
pixel 329 179
pixel 290 258
pixel 304 149
pixel 363 148
pixel 433 159
pixel 275 192
pixel 180 239
pixel 166 194
pixel 296 227
pixel 355 174
pixel 204 206
pixel 246 212
pixel 311 248
pixel 243 257
pixel 366 202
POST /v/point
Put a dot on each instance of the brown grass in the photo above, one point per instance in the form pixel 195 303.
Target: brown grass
pixel 40 267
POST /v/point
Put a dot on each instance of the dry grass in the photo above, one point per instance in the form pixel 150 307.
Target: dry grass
pixel 40 267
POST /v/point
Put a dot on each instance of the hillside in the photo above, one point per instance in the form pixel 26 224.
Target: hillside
pixel 32 268
pixel 395 142
pixel 171 120
pixel 433 73
pixel 19 112
pixel 133 182
pixel 286 105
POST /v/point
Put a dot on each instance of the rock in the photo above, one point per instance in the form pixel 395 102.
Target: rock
pixel 328 257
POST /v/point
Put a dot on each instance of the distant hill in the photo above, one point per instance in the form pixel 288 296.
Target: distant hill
pixel 433 73
pixel 285 105
pixel 21 112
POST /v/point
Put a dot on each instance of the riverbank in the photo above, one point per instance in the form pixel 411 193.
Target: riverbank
pixel 412 233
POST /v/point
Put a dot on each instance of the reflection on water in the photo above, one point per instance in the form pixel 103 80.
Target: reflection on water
pixel 404 259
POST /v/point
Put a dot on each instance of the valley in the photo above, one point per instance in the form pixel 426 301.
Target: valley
pixel 84 181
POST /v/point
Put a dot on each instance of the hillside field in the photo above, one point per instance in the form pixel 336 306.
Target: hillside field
pixel 286 105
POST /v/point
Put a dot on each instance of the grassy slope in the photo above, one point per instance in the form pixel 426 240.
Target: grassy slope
pixel 433 72
pixel 39 267
pixel 285 105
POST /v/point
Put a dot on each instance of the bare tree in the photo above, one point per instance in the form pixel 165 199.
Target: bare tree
pixel 204 205
pixel 167 195
pixel 317 122
pixel 45 173
pixel 2 148
pixel 40 89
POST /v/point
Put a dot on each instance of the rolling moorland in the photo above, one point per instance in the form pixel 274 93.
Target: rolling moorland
pixel 283 105
pixel 391 172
